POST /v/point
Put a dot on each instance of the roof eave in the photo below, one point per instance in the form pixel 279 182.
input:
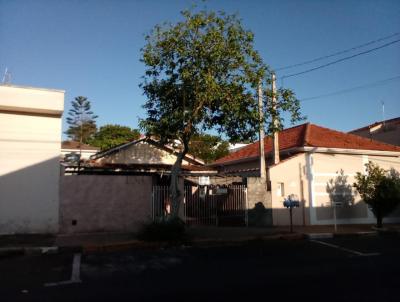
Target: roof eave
pixel 348 151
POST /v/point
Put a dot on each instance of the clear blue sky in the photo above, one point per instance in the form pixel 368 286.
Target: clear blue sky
pixel 92 48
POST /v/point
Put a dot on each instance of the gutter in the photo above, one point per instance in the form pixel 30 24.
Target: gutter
pixel 348 151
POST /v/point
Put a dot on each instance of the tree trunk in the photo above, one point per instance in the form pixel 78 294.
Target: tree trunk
pixel 176 193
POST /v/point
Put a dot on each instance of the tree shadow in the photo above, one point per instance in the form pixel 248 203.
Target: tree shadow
pixel 341 196
pixel 340 191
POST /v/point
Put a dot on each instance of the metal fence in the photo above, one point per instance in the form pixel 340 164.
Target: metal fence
pixel 206 205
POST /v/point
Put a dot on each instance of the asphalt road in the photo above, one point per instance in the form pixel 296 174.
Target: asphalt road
pixel 339 269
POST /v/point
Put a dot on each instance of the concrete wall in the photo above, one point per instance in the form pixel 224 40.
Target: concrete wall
pixel 141 153
pixel 104 203
pixel 259 202
pixel 30 139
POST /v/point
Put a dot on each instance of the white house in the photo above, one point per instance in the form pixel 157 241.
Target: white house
pixel 86 151
pixel 311 157
pixel 30 140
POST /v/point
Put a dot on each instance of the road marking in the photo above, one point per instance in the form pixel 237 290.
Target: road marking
pixel 76 268
pixel 75 275
pixel 346 249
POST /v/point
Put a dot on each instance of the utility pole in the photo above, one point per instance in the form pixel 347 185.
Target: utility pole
pixel 263 172
pixel 275 144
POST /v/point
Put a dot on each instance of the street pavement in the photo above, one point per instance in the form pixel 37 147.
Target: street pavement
pixel 345 268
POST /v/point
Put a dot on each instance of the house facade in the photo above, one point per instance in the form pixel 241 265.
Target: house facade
pixel 114 191
pixel 143 151
pixel 312 159
pixel 387 131
pixel 30 140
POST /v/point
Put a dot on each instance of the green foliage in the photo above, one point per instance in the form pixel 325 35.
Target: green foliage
pixel 109 136
pixel 164 229
pixel 379 189
pixel 208 147
pixel 81 120
pixel 202 73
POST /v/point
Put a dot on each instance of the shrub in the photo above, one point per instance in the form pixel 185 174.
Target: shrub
pixel 163 229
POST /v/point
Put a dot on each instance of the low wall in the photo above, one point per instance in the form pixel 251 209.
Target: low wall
pixel 258 202
pixel 104 203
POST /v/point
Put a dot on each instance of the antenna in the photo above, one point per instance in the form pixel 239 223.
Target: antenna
pixel 383 114
pixel 7 76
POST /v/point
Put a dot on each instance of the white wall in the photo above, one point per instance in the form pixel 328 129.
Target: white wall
pixel 307 175
pixel 293 175
pixel 29 159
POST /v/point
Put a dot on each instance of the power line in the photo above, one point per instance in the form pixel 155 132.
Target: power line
pixel 337 53
pixel 340 60
pixel 381 82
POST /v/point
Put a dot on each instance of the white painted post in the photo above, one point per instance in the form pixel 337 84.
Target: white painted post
pixel 247 208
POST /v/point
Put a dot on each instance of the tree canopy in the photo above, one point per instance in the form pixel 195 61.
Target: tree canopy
pixel 202 73
pixel 109 136
pixel 81 120
pixel 208 147
pixel 380 189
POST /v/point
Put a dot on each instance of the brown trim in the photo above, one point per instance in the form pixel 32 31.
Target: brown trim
pixel 55 115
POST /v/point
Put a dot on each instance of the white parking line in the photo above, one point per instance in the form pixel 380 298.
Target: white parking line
pixel 346 249
pixel 76 268
pixel 75 275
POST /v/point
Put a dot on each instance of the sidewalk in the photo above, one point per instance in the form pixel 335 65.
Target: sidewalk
pixel 199 236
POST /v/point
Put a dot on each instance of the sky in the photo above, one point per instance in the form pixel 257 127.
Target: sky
pixel 92 48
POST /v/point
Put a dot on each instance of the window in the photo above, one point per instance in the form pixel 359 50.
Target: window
pixel 280 191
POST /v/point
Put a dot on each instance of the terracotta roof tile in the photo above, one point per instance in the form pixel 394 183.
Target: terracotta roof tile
pixel 309 135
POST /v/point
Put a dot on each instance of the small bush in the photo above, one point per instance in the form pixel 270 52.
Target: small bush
pixel 163 229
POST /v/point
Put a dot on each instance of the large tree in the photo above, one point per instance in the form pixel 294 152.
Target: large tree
pixel 208 147
pixel 202 73
pixel 380 189
pixel 81 120
pixel 109 136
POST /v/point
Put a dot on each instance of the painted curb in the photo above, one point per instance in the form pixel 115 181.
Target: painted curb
pixel 312 236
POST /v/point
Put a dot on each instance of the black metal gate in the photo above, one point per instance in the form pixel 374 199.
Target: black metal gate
pixel 206 205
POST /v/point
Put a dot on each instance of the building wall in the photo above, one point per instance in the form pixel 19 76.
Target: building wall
pixel 390 133
pixel 104 203
pixel 141 153
pixel 292 173
pixel 29 159
pixel 308 175
pixel 326 168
